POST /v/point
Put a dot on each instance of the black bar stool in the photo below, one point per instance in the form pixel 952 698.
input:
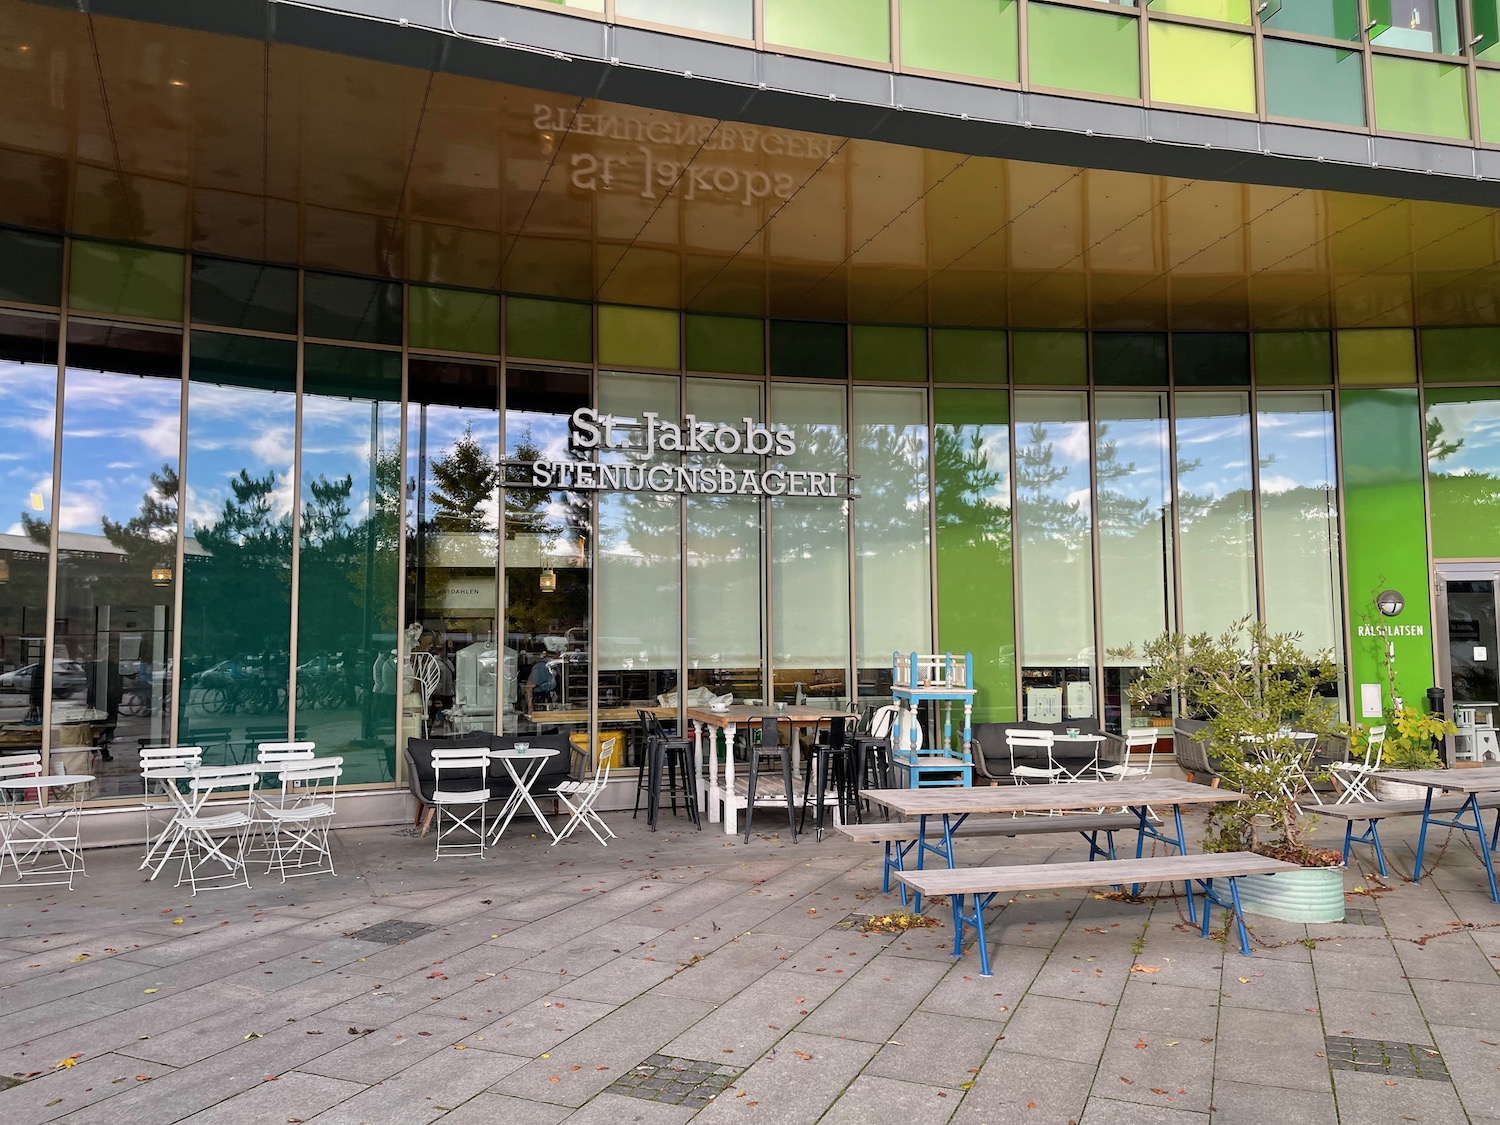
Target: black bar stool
pixel 872 755
pixel 666 753
pixel 835 755
pixel 770 743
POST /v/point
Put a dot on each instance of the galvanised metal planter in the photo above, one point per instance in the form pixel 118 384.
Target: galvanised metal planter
pixel 1313 894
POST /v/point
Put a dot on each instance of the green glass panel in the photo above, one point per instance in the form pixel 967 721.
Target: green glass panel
pixel 1314 83
pixel 1199 67
pixel 1377 355
pixel 338 307
pixel 251 362
pixel 732 344
pixel 30 267
pixel 1384 517
pixel 244 295
pixel 716 17
pixel 1229 11
pixel 1337 19
pixel 969 355
pixel 458 320
pixel 1487 27
pixel 1463 471
pixel 808 349
pixel 1051 358
pixel 125 280
pixel 1415 96
pixel 976 600
pixel 632 337
pixel 1461 355
pixel 1075 49
pixel 1130 359
pixel 1430 26
pixel 536 329
pixel 1293 358
pixel 1211 359
pixel 1489 105
pixel 858 29
pixel 977 37
pixel 351 501
pixel 887 352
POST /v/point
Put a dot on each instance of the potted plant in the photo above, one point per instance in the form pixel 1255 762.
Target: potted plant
pixel 1410 744
pixel 1257 692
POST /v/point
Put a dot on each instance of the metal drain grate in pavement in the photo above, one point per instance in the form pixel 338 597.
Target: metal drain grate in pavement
pixel 392 933
pixel 689 1082
pixel 1376 1056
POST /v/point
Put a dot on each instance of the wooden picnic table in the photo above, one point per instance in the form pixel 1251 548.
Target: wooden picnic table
pixel 1472 784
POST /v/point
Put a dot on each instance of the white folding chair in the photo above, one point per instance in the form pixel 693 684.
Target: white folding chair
pixel 461 795
pixel 299 823
pixel 1352 778
pixel 29 829
pixel 1019 738
pixel 579 797
pixel 216 834
pixel 1137 738
pixel 162 767
pixel 269 792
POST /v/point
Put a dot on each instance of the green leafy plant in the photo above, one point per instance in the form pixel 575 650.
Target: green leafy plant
pixel 1251 687
pixel 1410 739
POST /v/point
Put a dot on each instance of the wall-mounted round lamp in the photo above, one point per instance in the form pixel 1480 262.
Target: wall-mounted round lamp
pixel 1390 603
pixel 548 580
pixel 161 574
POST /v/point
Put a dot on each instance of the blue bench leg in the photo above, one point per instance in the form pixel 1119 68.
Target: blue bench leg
pixel 1239 915
pixel 1208 892
pixel 1374 833
pixel 1472 806
pixel 957 902
pixel 1495 836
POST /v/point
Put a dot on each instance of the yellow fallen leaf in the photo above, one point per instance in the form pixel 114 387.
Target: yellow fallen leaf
pixel 176 921
pixel 80 957
pixel 1145 968
pixel 459 1047
pixel 149 991
pixel 255 1035
pixel 1244 980
pixel 70 1061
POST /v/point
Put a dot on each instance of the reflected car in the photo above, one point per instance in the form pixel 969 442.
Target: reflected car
pixel 67 678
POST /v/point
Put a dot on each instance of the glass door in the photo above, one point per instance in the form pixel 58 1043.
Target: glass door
pixel 1468 656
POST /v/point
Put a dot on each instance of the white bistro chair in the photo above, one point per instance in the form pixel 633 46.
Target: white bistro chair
pixel 214 833
pixel 1137 738
pixel 1352 778
pixel 29 829
pixel 459 792
pixel 270 794
pixel 579 796
pixel 1015 738
pixel 299 824
pixel 162 768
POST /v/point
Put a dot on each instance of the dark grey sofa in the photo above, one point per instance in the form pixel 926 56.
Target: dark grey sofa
pixel 992 757
pixel 420 777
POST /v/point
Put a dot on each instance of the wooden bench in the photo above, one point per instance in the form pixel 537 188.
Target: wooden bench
pixel 900 837
pixel 982 884
pixel 1373 812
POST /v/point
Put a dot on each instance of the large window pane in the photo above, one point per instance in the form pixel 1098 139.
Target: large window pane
pixel 30 267
pixel 1132 462
pixel 717 17
pixel 860 29
pixel 977 37
pixel 723 547
pixel 117 546
pixel 237 569
pixel 1215 510
pixel 1414 96
pixel 28 388
pixel 1230 11
pixel 1417 25
pixel 351 521
pixel 640 559
pixel 1074 49
pixel 1337 19
pixel 1314 83
pixel 1198 67
pixel 451 643
pixel 1299 517
pixel 1054 518
pixel 976 603
pixel 1463 467
pixel 892 555
pixel 810 551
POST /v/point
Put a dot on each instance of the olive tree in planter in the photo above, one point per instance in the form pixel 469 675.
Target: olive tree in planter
pixel 1254 689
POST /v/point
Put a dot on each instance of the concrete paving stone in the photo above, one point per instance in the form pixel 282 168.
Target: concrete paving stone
pixel 1108 1111
pixel 292 1095
pixel 1456 1003
pixel 1180 1066
pixel 296 968
pixel 741 1029
pixel 684 904
pixel 965 993
pixel 1251 1103
pixel 188 944
pixel 1100 976
pixel 495 996
pixel 192 1038
pixel 589 949
pixel 425 1091
pixel 1145 1002
pixel 874 1002
pixel 942 1050
pixel 1277 986
pixel 872 1098
pixel 617 1109
pixel 1375 1099
pixel 1372 966
pixel 1459 959
pixel 497 1109
pixel 56 1093
pixel 76 980
pixel 619 980
pixel 42 1022
pixel 381 1001
pixel 1385 1015
pixel 1274 1049
pixel 1472 1057
pixel 538 1026
pixel 615 1043
pixel 839 951
pixel 388 1049
pixel 792 1085
pixel 560 922
pixel 1014 1087
pixel 723 971
pixel 347 922
pixel 1034 1023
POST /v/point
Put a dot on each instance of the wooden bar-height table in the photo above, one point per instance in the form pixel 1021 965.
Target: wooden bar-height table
pixel 729 719
pixel 1469 782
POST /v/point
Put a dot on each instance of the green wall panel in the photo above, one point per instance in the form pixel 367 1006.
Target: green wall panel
pixel 717 17
pixel 1461 355
pixel 1200 67
pixel 635 337
pixel 976 606
pixel 969 355
pixel 1130 359
pixel 537 329
pixel 1377 355
pixel 1384 522
pixel 1463 471
pixel 734 345
pixel 1211 359
pixel 125 280
pixel 1056 359
pixel 1489 106
pixel 977 37
pixel 808 349
pixel 859 29
pixel 1416 96
pixel 244 295
pixel 890 353
pixel 1312 83
pixel 1229 11
pixel 338 307
pixel 1075 49
pixel 30 267
pixel 1336 19
pixel 1285 359
pixel 458 320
